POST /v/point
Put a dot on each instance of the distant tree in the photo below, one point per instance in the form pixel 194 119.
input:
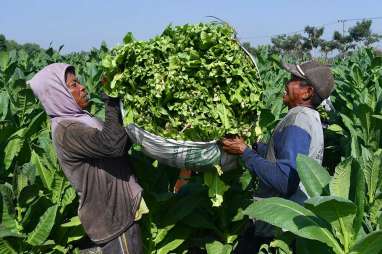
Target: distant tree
pixel 341 42
pixel 288 44
pixel 301 46
pixel 10 44
pixel 361 32
pixel 2 42
pixel 328 46
pixel 31 48
pixel 298 45
pixel 313 39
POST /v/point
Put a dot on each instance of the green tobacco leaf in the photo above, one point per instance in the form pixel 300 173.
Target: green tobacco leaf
pixel 28 195
pixel 371 243
pixel 281 246
pixel 355 149
pixel 218 248
pixel 313 176
pixel 174 239
pixel 306 246
pixel 224 116
pixel 170 246
pixel 162 233
pixel 290 216
pixel 216 187
pixel 5 247
pixel 60 249
pixel 35 124
pixel 21 181
pixel 341 181
pixel 245 179
pixel 45 174
pixel 357 194
pixel 375 211
pixel 8 224
pixel 34 212
pixel 335 128
pixel 181 208
pixel 191 75
pixel 75 234
pixel 373 174
pixel 57 187
pixel 68 232
pixel 43 228
pixel 377 116
pixel 338 212
pixel 4 105
pixel 12 149
pixel 68 196
pixel 4 59
pixel 74 221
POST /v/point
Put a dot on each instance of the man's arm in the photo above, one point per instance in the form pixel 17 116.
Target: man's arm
pixel 261 149
pixel 282 174
pixel 82 141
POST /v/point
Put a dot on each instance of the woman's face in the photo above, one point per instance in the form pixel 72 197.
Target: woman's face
pixel 77 90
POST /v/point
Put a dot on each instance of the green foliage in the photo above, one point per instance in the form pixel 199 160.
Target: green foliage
pixel 189 219
pixel 358 98
pixel 294 218
pixel 37 202
pixel 193 82
pixel 333 218
pixel 317 180
pixel 218 248
pixel 300 46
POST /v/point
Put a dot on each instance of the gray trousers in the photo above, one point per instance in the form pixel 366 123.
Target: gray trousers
pixel 129 242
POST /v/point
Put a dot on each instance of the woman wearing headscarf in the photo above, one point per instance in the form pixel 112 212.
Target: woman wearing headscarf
pixel 93 156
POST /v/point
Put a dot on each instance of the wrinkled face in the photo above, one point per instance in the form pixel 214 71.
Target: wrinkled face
pixel 77 90
pixel 296 94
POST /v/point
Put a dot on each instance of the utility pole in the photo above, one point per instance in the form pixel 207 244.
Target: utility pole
pixel 343 25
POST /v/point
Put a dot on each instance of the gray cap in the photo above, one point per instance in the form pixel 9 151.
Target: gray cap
pixel 318 75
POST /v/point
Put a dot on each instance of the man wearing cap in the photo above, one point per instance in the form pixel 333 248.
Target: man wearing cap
pixel 300 131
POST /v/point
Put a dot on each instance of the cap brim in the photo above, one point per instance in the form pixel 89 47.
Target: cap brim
pixel 291 68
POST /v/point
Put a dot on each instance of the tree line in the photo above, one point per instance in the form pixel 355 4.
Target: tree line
pixel 303 45
pixel 299 46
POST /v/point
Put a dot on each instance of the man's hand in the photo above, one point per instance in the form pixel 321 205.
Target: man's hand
pixel 235 146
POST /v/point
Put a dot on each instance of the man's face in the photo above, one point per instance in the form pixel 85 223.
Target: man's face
pixel 77 90
pixel 296 94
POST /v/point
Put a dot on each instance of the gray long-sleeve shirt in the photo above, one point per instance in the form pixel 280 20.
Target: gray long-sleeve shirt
pixel 96 164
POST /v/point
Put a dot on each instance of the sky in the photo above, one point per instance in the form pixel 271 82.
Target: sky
pixel 83 24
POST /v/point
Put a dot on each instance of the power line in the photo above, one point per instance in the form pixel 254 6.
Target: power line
pixel 359 19
pixel 343 21
pixel 289 33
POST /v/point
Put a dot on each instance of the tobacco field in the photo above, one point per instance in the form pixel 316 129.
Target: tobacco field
pixel 194 82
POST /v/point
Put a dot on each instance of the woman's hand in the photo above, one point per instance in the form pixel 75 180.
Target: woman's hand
pixel 104 80
pixel 235 146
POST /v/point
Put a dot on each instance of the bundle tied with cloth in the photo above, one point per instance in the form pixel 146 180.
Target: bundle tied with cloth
pixel 182 154
pixel 202 78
